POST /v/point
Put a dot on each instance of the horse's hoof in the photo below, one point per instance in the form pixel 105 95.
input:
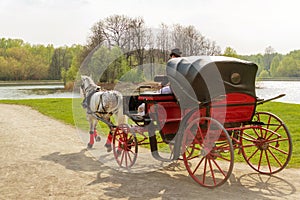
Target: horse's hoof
pixel 119 152
pixel 98 138
pixel 108 147
pixel 89 146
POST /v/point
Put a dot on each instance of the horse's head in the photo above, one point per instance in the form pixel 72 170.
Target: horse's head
pixel 87 85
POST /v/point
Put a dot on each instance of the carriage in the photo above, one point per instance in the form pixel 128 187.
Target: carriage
pixel 210 113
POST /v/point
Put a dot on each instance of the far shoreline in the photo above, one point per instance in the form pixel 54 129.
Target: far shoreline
pixel 31 82
pixel 278 79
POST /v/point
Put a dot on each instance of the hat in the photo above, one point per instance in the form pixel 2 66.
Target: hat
pixel 176 52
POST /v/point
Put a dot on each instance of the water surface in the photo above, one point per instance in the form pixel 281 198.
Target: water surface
pixel 269 89
pixel 264 90
pixel 34 92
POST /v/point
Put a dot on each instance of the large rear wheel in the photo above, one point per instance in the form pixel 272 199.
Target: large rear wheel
pixel 207 151
pixel 266 145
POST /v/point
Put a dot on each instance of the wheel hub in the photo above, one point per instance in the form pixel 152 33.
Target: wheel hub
pixel 262 144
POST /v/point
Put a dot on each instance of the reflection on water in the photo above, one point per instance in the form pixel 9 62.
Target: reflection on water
pixel 269 89
pixel 42 91
pixel 264 90
pixel 34 92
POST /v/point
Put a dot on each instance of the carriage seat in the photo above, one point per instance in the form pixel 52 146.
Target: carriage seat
pixel 156 97
pixel 165 109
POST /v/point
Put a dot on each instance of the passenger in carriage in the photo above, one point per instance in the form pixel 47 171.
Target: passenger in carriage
pixel 166 89
pixel 175 53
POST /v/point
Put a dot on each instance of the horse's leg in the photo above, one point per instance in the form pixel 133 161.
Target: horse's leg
pixel 108 142
pixel 91 132
pixel 96 136
pixel 109 139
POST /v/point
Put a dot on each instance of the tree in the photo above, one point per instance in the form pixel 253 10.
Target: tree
pixel 275 64
pixel 97 36
pixel 25 64
pixel 44 52
pixel 264 74
pixel 163 41
pixel 10 43
pixel 257 59
pixel 290 65
pixel 192 36
pixel 230 52
pixel 268 57
pixel 61 59
pixel 212 48
pixel 55 66
pixel 140 37
pixel 178 37
pixel 191 42
pixel 4 69
pixel 115 30
pixel 69 75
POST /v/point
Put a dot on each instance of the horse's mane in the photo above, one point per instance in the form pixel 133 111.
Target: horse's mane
pixel 92 83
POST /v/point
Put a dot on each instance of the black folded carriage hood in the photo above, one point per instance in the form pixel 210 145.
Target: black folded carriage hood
pixel 203 78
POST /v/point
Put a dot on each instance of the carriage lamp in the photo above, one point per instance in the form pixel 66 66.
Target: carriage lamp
pixel 235 78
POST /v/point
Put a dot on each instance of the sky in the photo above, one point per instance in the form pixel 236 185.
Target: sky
pixel 247 26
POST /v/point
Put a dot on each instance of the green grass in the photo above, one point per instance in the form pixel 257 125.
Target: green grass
pixel 290 114
pixel 70 112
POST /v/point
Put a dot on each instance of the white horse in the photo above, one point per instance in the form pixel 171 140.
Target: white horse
pixel 101 105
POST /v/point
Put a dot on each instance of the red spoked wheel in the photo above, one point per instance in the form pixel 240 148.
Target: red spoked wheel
pixel 207 152
pixel 125 146
pixel 266 145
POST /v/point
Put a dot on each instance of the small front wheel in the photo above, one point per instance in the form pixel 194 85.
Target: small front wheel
pixel 125 146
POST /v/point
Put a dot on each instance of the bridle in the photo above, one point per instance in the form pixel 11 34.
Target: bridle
pixel 87 89
pixel 83 89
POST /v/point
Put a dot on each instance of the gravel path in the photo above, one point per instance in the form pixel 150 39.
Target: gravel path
pixel 42 158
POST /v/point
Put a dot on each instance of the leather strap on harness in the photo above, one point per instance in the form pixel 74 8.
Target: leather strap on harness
pixel 88 98
pixel 104 112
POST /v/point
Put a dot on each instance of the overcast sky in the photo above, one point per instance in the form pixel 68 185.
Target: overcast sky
pixel 248 26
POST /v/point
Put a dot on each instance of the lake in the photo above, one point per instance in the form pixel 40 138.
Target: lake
pixel 34 92
pixel 269 89
pixel 265 89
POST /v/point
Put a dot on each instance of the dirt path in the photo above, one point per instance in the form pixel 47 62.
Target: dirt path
pixel 42 158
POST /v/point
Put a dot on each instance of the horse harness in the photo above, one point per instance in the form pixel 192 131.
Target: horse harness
pixel 87 98
pixel 100 105
pixel 103 110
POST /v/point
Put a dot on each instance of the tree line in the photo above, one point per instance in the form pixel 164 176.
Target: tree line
pixel 120 44
pixel 272 64
pixel 23 61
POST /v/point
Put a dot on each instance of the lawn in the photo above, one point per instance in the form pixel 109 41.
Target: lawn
pixel 70 112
